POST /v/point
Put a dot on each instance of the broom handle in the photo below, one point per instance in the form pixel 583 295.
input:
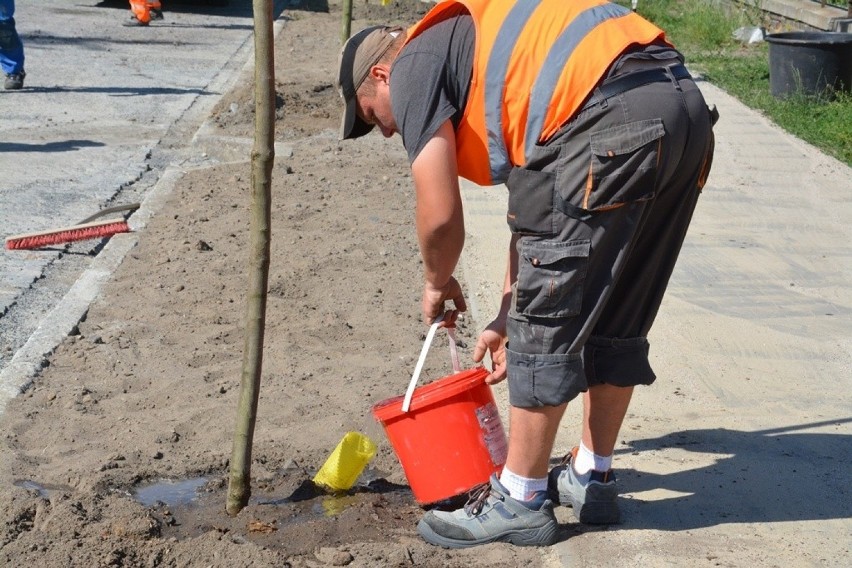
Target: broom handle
pixel 108 210
pixel 454 355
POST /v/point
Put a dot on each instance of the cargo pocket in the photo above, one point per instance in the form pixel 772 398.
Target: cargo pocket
pixel 530 202
pixel 624 164
pixel 550 278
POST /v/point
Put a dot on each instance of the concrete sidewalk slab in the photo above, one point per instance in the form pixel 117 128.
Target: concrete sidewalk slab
pixel 739 454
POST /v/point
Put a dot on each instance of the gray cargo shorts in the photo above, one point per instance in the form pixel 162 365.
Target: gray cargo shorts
pixel 601 211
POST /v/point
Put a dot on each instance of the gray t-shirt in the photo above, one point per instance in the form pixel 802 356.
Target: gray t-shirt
pixel 430 80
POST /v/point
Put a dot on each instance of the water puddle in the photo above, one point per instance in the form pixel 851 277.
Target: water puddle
pixel 170 492
pixel 310 501
pixel 186 509
pixel 280 511
pixel 333 505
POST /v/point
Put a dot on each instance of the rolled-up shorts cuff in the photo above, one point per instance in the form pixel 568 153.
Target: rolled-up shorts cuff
pixel 617 362
pixel 544 380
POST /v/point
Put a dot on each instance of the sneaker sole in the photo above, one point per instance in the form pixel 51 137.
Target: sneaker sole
pixel 541 536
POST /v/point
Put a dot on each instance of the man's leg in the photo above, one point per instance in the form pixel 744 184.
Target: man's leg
pixel 604 408
pixel 585 480
pixel 532 432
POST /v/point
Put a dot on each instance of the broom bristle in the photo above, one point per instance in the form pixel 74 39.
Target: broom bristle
pixel 67 235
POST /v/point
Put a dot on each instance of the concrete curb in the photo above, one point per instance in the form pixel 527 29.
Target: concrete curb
pixel 28 361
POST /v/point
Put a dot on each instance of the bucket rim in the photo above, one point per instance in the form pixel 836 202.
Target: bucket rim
pixel 431 393
pixel 809 38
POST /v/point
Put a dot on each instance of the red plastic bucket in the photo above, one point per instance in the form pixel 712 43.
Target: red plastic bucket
pixel 450 440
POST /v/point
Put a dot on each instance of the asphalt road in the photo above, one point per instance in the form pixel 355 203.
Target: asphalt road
pixel 106 109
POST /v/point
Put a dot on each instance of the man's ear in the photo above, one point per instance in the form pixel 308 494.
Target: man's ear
pixel 380 72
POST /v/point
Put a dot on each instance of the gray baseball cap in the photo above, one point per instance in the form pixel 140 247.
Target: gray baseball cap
pixel 359 54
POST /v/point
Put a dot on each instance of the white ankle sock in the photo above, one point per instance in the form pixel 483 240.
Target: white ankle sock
pixel 521 488
pixel 587 460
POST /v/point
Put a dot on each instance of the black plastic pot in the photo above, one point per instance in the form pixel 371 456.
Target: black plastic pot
pixel 810 63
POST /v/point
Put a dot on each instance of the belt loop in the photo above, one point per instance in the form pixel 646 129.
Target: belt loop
pixel 674 79
pixel 604 99
pixel 597 98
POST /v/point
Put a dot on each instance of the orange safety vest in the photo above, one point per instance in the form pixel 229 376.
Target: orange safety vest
pixel 535 63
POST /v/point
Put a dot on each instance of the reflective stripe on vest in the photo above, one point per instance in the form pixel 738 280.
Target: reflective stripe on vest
pixel 521 97
pixel 545 84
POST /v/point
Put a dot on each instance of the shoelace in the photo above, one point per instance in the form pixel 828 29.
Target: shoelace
pixel 478 496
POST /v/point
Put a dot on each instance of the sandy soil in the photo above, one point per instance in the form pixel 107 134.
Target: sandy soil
pixel 146 390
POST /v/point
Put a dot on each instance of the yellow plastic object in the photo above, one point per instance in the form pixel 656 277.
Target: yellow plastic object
pixel 342 468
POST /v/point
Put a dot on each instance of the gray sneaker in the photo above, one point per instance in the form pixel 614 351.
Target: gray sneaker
pixel 491 515
pixel 593 496
pixel 14 81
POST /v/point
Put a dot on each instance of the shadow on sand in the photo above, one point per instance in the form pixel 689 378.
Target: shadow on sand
pixel 773 475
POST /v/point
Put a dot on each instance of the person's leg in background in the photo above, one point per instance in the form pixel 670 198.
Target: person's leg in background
pixel 11 47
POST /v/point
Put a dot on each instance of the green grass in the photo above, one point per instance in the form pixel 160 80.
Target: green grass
pixel 704 34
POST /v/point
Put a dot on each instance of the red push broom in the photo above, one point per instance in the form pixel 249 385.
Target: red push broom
pixel 85 229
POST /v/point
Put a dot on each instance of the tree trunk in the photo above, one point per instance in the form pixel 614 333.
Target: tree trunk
pixel 346 30
pixel 262 157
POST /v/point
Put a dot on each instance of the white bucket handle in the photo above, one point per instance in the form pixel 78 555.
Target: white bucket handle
pixel 454 356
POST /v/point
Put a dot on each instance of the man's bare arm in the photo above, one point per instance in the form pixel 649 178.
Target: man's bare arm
pixel 440 222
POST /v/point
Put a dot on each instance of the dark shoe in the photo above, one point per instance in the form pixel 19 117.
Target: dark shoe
pixel 14 81
pixel 156 14
pixel 134 22
pixel 491 515
pixel 593 496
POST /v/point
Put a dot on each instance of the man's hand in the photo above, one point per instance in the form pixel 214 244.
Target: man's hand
pixel 493 340
pixel 434 299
